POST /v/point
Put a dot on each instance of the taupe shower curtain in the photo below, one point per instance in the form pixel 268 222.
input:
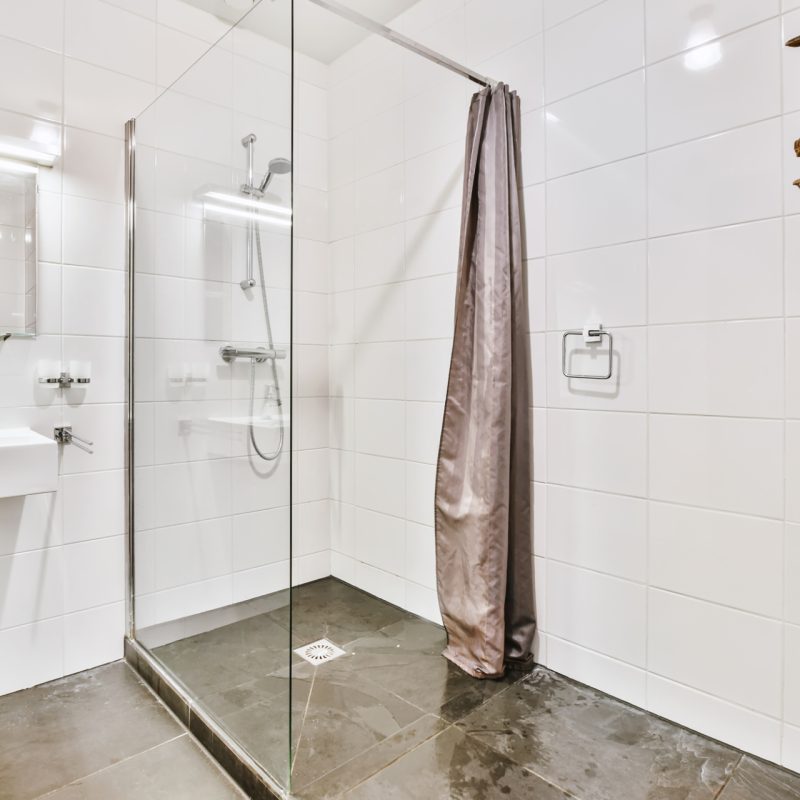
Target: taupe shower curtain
pixel 483 479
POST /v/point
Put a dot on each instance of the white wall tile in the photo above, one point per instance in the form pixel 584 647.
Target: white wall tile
pixel 379 142
pixel 32 585
pixel 688 544
pixel 94 504
pixel 730 464
pixel 32 522
pixel 791 94
pixel 701 711
pixel 380 540
pixel 792 556
pixel 792 470
pixel 712 274
pixel 427 367
pixel 380 427
pixel 695 643
pixel 36 90
pixel 607 674
pixel 598 531
pixel 431 244
pixel 93 233
pixel 730 82
pixel 791 700
pixel 691 186
pixel 492 28
pixel 94 573
pixel 556 11
pixel 582 134
pixel 92 637
pixel 123 97
pixel 431 120
pixel 606 285
pixel 597 450
pixel 378 256
pixel 728 368
pixel 110 37
pixel 602 43
pixel 380 370
pixel 612 617
pixel 34 654
pixel 433 182
pixel 380 484
pixel 599 207
pixel 38 22
pixel 683 24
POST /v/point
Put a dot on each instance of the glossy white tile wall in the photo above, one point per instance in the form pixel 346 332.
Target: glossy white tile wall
pixel 80 70
pixel 667 491
pixel 658 173
pixel 215 528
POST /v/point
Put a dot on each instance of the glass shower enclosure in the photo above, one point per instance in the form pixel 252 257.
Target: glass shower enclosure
pixel 210 222
pixel 279 213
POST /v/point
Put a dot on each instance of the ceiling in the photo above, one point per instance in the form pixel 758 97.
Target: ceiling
pixel 318 33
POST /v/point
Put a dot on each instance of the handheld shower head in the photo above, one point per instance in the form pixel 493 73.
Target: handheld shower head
pixel 278 166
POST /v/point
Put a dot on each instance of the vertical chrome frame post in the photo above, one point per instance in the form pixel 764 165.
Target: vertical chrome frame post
pixel 130 253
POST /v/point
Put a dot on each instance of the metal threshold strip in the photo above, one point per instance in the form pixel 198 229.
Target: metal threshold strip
pixel 398 38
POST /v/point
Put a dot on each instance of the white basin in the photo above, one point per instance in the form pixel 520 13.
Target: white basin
pixel 28 463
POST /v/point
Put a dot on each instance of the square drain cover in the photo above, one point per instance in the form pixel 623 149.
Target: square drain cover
pixel 319 652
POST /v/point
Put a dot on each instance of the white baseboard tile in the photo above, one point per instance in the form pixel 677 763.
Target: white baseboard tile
pixel 719 719
pixel 617 678
pixel 791 748
pixel 343 567
pixel 423 601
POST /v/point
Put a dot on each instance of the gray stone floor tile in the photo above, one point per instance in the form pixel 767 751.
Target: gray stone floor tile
pixel 61 731
pixel 452 766
pixel 363 766
pixel 175 770
pixel 755 780
pixel 596 747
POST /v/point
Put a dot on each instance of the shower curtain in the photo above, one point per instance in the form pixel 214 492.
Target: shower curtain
pixel 483 478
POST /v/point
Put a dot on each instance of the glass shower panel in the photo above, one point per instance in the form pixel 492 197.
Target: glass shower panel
pixel 212 382
pixel 367 609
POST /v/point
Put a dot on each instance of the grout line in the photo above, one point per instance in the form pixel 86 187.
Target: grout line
pixel 109 767
pixel 730 777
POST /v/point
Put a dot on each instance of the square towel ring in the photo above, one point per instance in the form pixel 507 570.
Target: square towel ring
pixel 597 335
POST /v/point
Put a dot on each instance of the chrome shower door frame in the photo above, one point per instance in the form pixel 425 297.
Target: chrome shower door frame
pixel 256 782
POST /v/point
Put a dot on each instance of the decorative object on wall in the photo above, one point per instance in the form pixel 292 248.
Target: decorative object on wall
pixel 484 472
pixel 793 42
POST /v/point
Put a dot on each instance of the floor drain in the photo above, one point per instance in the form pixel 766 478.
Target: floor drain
pixel 319 652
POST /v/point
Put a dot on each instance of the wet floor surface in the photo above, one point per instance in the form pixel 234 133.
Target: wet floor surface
pixel 100 735
pixel 391 719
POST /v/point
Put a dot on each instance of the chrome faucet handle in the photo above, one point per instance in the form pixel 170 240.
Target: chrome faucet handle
pixel 63 435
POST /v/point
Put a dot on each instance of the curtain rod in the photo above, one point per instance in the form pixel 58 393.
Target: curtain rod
pixel 398 38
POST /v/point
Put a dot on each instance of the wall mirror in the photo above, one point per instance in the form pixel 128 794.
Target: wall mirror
pixel 18 270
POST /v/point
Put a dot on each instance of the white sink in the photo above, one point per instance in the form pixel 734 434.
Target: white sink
pixel 28 463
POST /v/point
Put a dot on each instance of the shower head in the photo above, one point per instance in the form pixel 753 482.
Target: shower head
pixel 278 166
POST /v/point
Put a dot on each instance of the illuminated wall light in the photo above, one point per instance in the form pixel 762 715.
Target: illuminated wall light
pixel 21 150
pixel 17 167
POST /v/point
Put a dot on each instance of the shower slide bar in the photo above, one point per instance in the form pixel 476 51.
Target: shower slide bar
pixel 230 353
pixel 409 44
